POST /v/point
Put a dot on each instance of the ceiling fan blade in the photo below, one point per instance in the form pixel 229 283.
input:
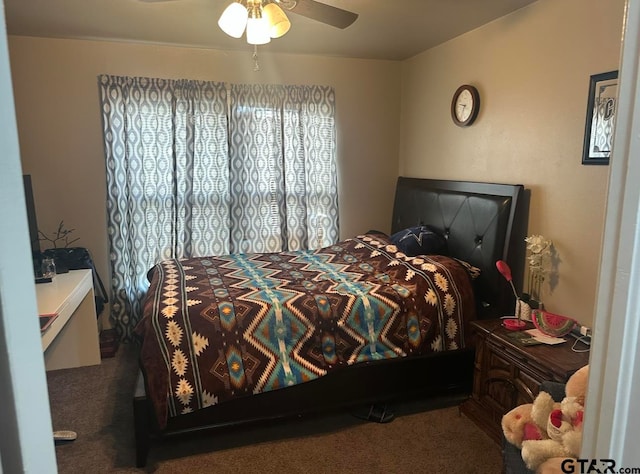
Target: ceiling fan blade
pixel 324 13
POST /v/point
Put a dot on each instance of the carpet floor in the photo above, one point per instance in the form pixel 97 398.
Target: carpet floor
pixel 425 437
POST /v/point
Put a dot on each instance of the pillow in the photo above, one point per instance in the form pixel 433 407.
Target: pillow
pixel 552 324
pixel 420 240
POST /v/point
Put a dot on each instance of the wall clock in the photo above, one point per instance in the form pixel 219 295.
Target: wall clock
pixel 465 105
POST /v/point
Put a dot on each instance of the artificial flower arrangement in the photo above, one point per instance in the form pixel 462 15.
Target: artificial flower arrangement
pixel 529 306
pixel 539 262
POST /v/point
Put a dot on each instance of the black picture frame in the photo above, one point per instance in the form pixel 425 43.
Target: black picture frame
pixel 600 122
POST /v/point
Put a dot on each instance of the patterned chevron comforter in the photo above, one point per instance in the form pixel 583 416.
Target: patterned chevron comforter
pixel 215 328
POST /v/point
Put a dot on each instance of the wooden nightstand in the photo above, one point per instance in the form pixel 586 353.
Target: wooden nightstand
pixel 508 374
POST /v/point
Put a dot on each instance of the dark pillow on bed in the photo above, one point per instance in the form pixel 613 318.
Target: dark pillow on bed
pixel 420 240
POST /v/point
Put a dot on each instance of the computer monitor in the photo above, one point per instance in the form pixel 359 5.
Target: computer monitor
pixel 33 225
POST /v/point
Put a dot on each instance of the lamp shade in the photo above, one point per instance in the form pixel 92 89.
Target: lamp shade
pixel 234 19
pixel 257 27
pixel 279 24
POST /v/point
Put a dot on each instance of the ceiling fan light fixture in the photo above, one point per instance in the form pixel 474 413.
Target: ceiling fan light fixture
pixel 234 19
pixel 279 24
pixel 257 26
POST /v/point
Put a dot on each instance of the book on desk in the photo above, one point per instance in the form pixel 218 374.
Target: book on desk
pixel 46 320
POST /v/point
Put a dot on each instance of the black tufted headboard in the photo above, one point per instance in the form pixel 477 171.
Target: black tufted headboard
pixel 483 223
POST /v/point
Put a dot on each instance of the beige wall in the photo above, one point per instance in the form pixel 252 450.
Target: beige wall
pixel 532 70
pixel 60 129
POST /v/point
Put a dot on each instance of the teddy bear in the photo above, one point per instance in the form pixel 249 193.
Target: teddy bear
pixel 564 431
pixel 549 432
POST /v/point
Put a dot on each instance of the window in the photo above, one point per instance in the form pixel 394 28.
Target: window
pixel 200 168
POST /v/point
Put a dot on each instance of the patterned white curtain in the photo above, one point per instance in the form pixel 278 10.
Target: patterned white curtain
pixel 194 172
pixel 167 179
pixel 283 168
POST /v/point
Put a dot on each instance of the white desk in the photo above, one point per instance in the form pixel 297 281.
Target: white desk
pixel 71 340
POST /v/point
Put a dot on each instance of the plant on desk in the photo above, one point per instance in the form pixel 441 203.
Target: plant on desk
pixel 61 242
pixel 60 236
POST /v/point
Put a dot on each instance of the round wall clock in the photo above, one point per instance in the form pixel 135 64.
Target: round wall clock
pixel 465 105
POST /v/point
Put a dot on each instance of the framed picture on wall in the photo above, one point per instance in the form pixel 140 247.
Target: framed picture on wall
pixel 601 114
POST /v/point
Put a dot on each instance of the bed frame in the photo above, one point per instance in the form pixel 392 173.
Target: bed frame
pixel 483 223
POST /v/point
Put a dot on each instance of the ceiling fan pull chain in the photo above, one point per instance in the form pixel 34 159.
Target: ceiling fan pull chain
pixel 256 65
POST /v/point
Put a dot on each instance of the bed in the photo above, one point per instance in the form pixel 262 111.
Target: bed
pixel 230 340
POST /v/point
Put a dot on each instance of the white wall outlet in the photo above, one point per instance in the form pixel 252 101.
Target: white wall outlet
pixel 585 331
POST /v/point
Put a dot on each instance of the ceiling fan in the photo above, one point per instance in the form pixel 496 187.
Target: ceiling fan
pixel 312 9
